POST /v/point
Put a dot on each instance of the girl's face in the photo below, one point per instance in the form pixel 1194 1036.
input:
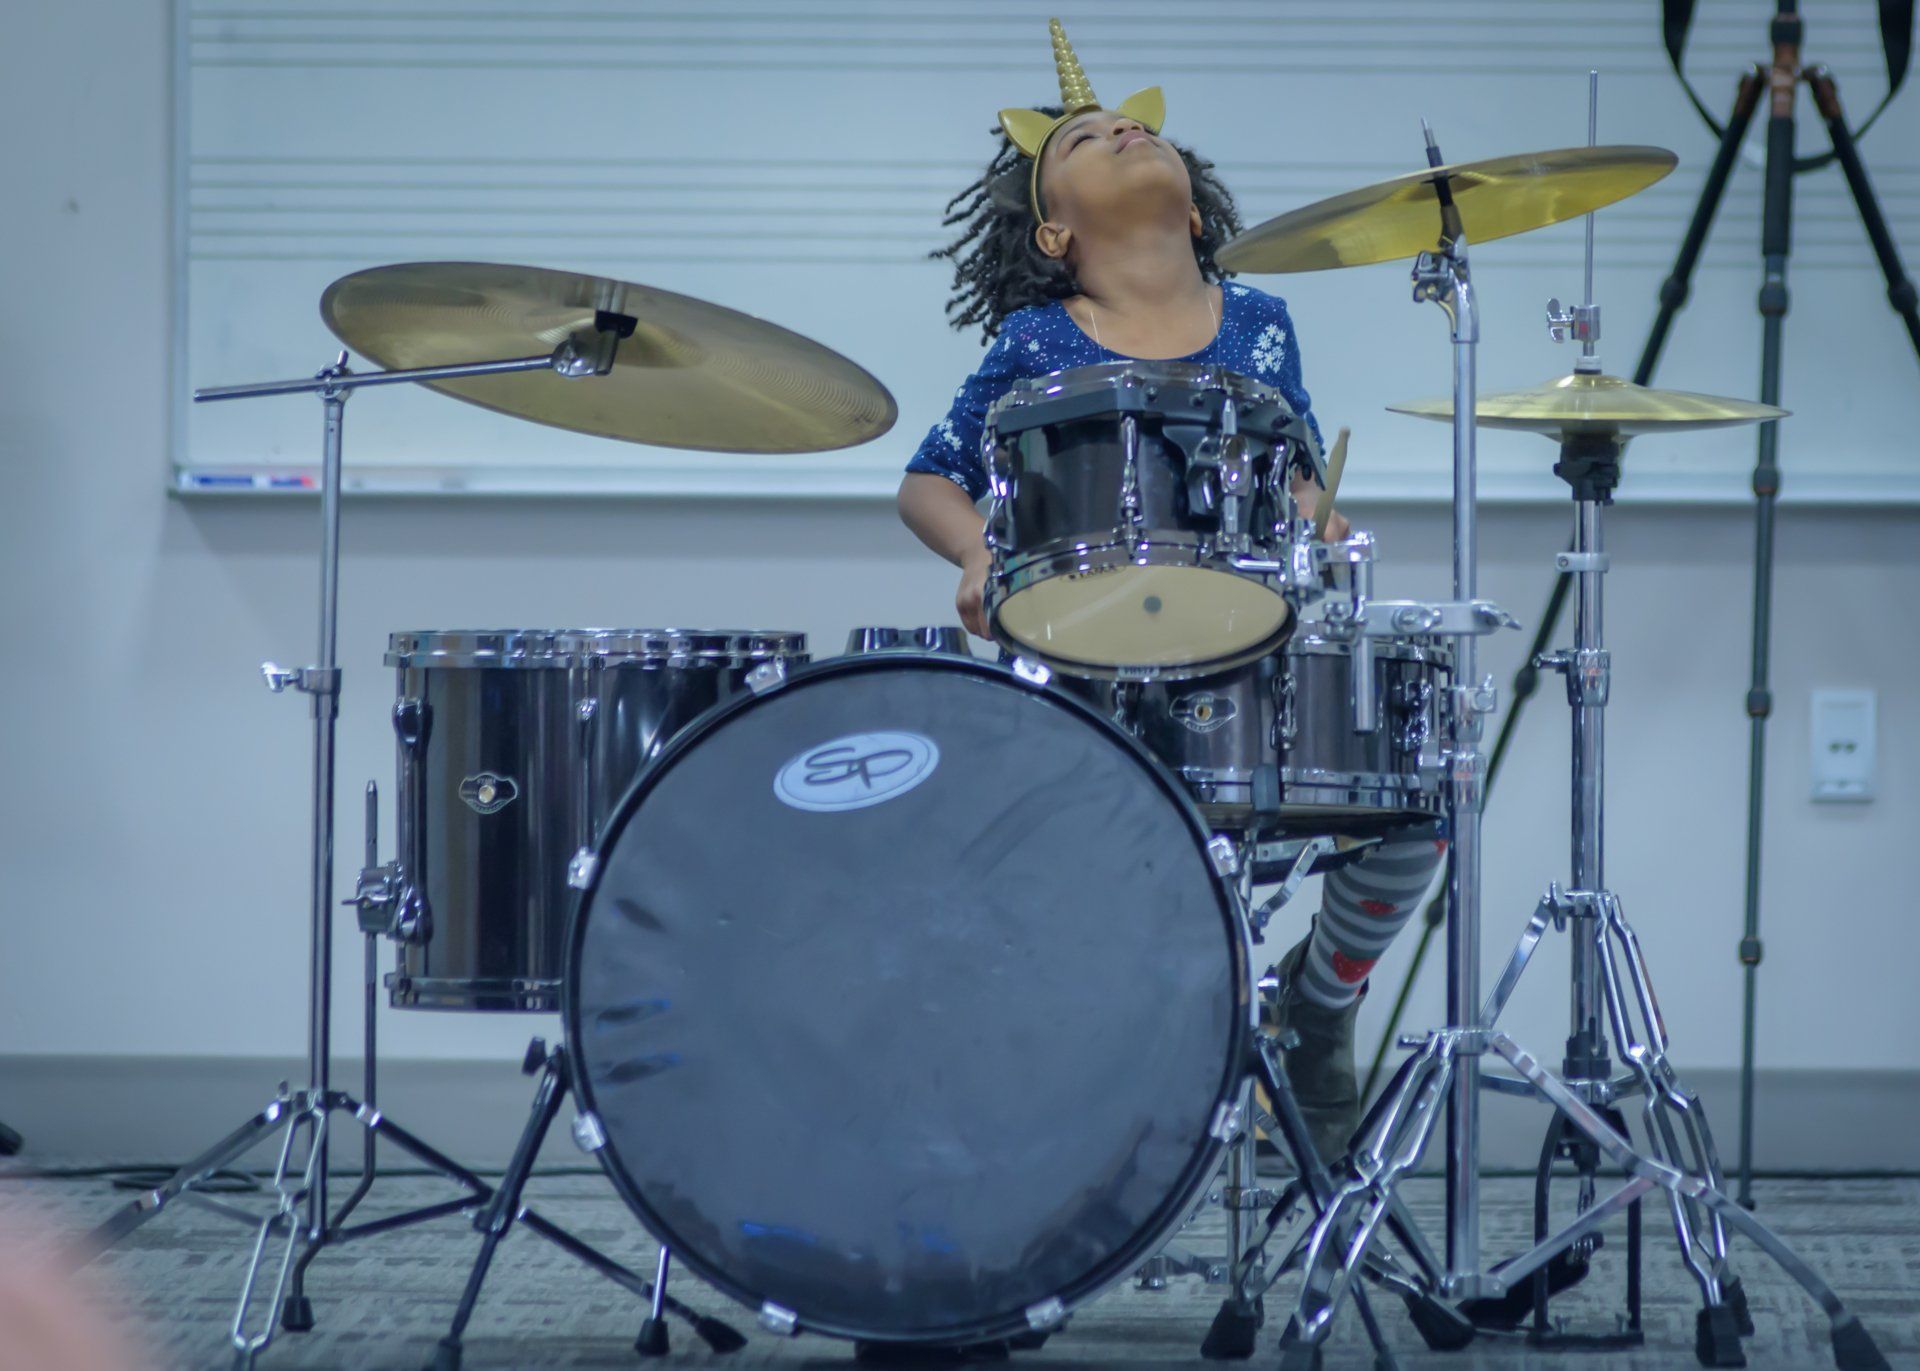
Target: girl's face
pixel 1102 166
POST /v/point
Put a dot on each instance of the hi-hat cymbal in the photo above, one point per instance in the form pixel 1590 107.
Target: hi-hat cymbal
pixel 1593 403
pixel 1401 217
pixel 691 375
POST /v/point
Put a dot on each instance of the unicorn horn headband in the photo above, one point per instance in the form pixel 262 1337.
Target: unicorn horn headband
pixel 1030 129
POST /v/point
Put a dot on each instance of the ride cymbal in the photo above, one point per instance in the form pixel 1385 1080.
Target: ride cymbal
pixel 1589 402
pixel 690 374
pixel 1401 217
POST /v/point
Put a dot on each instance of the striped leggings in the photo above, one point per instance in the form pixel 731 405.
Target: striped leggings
pixel 1363 907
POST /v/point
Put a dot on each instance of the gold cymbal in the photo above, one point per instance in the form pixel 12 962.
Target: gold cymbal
pixel 1595 403
pixel 1401 217
pixel 692 375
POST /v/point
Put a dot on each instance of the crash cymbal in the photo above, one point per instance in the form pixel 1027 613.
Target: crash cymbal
pixel 1588 402
pixel 1401 217
pixel 691 375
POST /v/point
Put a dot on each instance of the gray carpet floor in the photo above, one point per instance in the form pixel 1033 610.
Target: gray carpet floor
pixel 382 1303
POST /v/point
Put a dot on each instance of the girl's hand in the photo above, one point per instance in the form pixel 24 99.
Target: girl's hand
pixel 973 586
pixel 1307 497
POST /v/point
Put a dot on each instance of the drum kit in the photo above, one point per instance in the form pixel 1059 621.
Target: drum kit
pixel 911 997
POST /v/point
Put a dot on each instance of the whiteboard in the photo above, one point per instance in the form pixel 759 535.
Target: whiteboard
pixel 792 160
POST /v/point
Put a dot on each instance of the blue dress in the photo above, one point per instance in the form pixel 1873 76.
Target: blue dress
pixel 1255 339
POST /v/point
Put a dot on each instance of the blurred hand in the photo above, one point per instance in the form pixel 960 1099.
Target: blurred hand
pixel 973 585
pixel 48 1322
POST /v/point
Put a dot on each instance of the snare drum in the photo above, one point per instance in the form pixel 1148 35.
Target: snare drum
pixel 515 746
pixel 1126 499
pixel 1271 746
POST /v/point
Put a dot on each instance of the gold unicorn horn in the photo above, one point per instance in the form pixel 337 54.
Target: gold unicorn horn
pixel 1076 92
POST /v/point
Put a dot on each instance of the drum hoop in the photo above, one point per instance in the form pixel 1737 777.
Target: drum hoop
pixel 1028 401
pixel 1310 642
pixel 561 648
pixel 1209 1149
pixel 1148 547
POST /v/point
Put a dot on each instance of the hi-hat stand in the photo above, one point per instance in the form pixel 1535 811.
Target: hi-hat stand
pixel 1610 973
pixel 293 1231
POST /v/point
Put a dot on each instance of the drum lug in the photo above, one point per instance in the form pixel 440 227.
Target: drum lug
pixel 581 869
pixel 767 676
pixel 1227 1118
pixel 1049 1314
pixel 783 1322
pixel 1224 853
pixel 1033 673
pixel 589 1135
pixel 1130 509
pixel 1286 719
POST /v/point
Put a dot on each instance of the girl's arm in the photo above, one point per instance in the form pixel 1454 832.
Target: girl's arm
pixel 943 517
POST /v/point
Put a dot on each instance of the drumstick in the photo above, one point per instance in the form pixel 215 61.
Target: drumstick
pixel 1335 463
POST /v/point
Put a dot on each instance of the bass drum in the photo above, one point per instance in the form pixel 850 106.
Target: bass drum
pixel 906 1002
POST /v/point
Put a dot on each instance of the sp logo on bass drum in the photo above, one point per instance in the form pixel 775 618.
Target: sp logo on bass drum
pixel 855 771
pixel 1203 711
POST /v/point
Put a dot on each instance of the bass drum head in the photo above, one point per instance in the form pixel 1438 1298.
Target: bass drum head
pixel 906 995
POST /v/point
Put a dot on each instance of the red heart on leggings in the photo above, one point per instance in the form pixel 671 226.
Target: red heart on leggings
pixel 1379 906
pixel 1349 969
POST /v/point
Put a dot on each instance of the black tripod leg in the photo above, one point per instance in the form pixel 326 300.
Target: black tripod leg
pixel 1900 290
pixel 1776 242
pixel 497 1216
pixel 1675 289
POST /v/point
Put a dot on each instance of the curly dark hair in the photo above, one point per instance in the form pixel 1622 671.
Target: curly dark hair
pixel 997 266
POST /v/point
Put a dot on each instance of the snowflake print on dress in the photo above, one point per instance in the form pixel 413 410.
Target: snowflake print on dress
pixel 1268 348
pixel 947 434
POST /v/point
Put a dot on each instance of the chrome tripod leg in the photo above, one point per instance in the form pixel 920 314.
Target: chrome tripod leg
pixel 1523 951
pixel 1313 1181
pixel 1853 1347
pixel 289 1218
pixel 1391 1142
pixel 231 1148
pixel 1702 1237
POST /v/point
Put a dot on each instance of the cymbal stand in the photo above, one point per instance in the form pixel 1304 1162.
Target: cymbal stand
pixel 1609 970
pixel 298 1224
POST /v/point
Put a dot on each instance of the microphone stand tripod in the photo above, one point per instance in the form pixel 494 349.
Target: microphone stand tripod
pixel 1780 81
pixel 298 1221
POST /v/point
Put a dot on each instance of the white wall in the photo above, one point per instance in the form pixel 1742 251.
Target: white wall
pixel 153 857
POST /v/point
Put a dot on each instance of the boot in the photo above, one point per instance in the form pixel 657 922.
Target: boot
pixel 1320 1066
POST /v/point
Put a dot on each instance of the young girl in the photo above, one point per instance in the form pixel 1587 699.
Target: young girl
pixel 1091 239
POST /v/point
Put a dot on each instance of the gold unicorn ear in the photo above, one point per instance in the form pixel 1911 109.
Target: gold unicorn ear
pixel 1028 128
pixel 1149 106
